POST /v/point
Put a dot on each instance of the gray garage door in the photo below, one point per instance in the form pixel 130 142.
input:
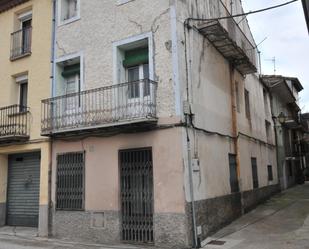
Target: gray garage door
pixel 23 190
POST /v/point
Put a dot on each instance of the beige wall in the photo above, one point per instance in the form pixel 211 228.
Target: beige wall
pixel 102 174
pixel 37 65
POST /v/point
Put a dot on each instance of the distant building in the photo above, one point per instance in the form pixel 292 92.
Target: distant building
pixel 289 130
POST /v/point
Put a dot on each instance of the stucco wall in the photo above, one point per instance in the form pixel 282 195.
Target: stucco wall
pixel 102 193
pixel 104 22
pixel 210 94
pixel 37 65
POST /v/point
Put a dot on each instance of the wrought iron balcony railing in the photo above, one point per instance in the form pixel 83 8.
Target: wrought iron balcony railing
pixel 14 123
pixel 116 105
pixel 21 43
pixel 228 38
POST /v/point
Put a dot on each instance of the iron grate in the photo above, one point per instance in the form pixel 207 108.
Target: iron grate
pixel 137 195
pixel 70 181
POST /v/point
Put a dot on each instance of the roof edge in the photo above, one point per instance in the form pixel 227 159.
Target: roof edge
pixel 9 4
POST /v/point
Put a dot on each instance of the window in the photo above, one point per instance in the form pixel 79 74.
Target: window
pixel 270 173
pixel 247 104
pixel 70 181
pixel 23 97
pixel 21 39
pixel 69 10
pixel 290 168
pixel 136 64
pixel 237 96
pixel 268 131
pixel 22 82
pixel 265 97
pixel 255 178
pixel 233 173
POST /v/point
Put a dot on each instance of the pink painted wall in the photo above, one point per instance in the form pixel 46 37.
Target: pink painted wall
pixel 102 174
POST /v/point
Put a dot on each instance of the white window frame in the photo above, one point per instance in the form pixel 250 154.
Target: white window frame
pixel 73 19
pixel 19 80
pixel 79 55
pixel 129 40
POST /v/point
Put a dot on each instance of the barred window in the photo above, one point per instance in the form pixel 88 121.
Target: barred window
pixel 255 177
pixel 70 181
pixel 233 173
pixel 270 173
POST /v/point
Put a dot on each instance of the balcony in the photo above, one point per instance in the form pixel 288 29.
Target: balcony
pixel 228 38
pixel 107 109
pixel 21 43
pixel 14 124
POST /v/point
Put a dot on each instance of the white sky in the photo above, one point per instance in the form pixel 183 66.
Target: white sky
pixel 287 40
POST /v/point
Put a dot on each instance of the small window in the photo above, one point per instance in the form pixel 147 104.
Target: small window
pixel 290 168
pixel 233 173
pixel 23 98
pixel 237 97
pixel 247 104
pixel 255 178
pixel 69 10
pixel 268 131
pixel 70 181
pixel 270 173
pixel 265 97
pixel 22 82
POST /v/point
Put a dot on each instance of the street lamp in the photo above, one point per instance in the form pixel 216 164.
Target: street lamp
pixel 281 118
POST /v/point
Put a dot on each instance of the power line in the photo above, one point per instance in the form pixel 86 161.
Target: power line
pixel 243 14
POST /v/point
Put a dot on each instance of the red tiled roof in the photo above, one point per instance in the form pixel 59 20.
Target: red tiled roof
pixel 8 4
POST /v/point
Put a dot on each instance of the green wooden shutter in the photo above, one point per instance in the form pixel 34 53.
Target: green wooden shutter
pixel 136 57
pixel 71 70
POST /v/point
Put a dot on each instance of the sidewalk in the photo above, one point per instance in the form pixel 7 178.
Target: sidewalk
pixel 280 223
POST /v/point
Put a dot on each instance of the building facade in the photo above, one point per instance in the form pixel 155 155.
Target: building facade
pixel 161 128
pixel 25 80
pixel 288 127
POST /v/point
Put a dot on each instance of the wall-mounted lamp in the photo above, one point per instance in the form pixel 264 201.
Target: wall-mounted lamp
pixel 281 118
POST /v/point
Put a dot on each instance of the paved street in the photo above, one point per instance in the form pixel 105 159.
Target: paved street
pixel 281 223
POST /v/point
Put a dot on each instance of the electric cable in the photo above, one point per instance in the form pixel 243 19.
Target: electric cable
pixel 243 14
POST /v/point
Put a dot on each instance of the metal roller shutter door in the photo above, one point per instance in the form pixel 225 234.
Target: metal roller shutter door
pixel 23 190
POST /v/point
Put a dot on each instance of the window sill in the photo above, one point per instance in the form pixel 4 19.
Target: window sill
pixel 20 56
pixel 68 21
pixel 122 2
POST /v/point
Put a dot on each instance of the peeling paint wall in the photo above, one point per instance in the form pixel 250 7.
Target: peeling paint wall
pixel 104 22
pixel 210 97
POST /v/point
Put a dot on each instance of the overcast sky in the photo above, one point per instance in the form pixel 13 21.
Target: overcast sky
pixel 287 40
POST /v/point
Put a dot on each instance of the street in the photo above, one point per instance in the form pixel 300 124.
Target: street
pixel 280 223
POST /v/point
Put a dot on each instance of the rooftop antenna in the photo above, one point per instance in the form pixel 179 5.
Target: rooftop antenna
pixel 273 60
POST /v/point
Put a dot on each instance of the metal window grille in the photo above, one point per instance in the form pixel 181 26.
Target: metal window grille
pixel 255 178
pixel 137 195
pixel 270 173
pixel 70 181
pixel 233 174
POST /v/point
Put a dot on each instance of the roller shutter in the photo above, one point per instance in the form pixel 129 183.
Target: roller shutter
pixel 23 190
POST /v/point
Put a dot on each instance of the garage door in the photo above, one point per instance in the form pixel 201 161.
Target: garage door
pixel 23 190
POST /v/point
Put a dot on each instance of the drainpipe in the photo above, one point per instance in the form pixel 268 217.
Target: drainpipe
pixel 190 169
pixel 53 48
pixel 196 243
pixel 235 132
